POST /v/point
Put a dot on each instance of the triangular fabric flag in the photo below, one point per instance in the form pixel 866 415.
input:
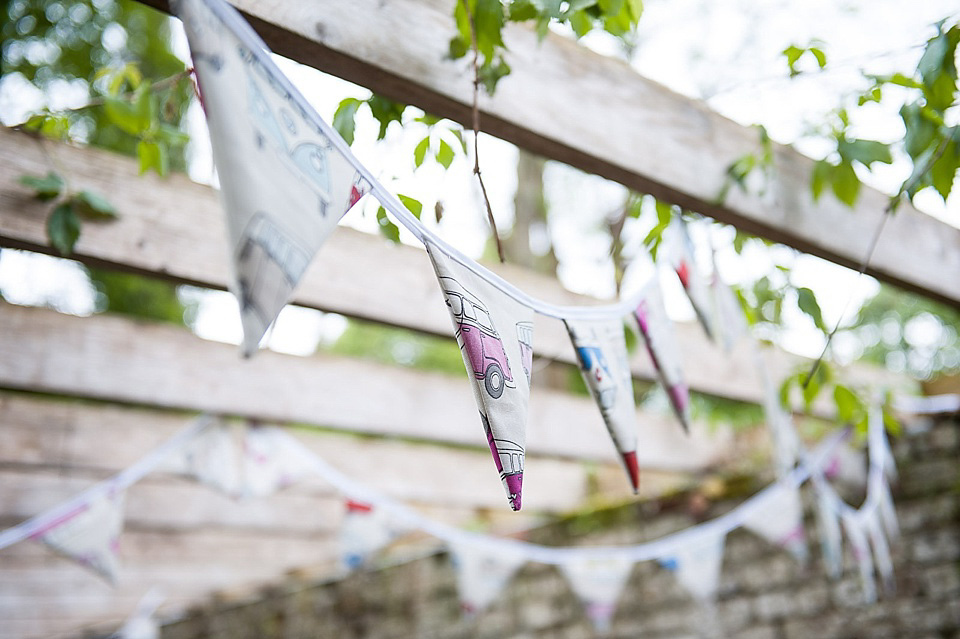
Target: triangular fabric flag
pixel 881 552
pixel 729 320
pixel 89 534
pixel 860 547
pixel 779 520
pixel 211 458
pixel 142 624
pixel 602 354
pixel 494 332
pixel 661 340
pixel 482 573
pixel 831 539
pixel 697 565
pixel 786 443
pixel 272 460
pixel 683 260
pixel 598 584
pixel 364 531
pixel 283 183
pixel 888 513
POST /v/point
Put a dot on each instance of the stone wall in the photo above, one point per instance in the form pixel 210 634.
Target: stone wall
pixel 763 594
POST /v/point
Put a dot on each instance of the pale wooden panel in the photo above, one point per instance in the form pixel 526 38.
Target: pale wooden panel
pixel 596 113
pixel 113 358
pixel 173 228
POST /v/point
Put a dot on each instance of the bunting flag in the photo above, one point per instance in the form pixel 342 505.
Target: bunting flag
pixel 142 624
pixel 888 513
pixel 495 334
pixel 786 443
pixel 881 552
pixel 284 185
pixel 682 259
pixel 482 573
pixel 598 584
pixel 210 458
pixel 661 340
pixel 364 531
pixel 272 460
pixel 831 539
pixel 860 547
pixel 697 565
pixel 729 320
pixel 779 520
pixel 89 534
pixel 602 354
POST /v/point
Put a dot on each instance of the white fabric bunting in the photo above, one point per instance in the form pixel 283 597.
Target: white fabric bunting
pixel 210 458
pixel 272 461
pixel 365 530
pixel 598 584
pixel 683 261
pixel 779 520
pixel 482 573
pixel 283 184
pixel 495 334
pixel 853 525
pixel 697 565
pixel 888 513
pixel 89 534
pixel 661 341
pixel 881 552
pixel 602 354
pixel 729 321
pixel 831 538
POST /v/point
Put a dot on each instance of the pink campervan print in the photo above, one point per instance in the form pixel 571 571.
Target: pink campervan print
pixel 478 338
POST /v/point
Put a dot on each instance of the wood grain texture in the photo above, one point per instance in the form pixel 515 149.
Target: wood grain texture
pixel 116 359
pixel 174 228
pixel 593 112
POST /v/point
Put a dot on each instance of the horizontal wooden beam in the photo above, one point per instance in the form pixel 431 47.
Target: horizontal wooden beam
pixel 596 113
pixel 113 358
pixel 173 228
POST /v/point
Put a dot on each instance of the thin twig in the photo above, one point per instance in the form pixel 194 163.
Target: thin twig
pixel 887 212
pixel 476 129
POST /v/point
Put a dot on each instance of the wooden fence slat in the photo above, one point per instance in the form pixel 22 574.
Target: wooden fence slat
pixel 117 359
pixel 596 113
pixel 174 228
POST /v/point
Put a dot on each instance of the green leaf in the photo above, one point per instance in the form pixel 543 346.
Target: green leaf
pixel 807 302
pixel 488 19
pixel 492 73
pixel 445 154
pixel 792 53
pixel 387 228
pixel 171 135
pixel 457 133
pixel 901 80
pixel 636 9
pixel 846 184
pixel 522 10
pixel 63 228
pixel 344 118
pixel 944 170
pixel 664 213
pixel 581 23
pixel 385 111
pixel 848 404
pixel 864 151
pixel 819 177
pixel 819 55
pixel 458 47
pixel 420 152
pixel 93 205
pixel 153 155
pixel 133 116
pixel 812 389
pixel 45 188
pixel 920 131
pixel 413 205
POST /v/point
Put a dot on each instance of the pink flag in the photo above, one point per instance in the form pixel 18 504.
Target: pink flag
pixel 683 261
pixel 284 185
pixel 89 534
pixel 661 340
pixel 779 520
pixel 495 333
pixel 602 353
pixel 482 573
pixel 598 584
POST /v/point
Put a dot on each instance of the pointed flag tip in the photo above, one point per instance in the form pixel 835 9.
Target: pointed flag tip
pixel 514 487
pixel 633 472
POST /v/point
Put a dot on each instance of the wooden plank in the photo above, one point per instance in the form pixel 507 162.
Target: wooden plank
pixel 112 358
pixel 596 113
pixel 173 227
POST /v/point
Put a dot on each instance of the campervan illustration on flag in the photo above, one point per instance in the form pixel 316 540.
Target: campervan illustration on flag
pixel 269 263
pixel 478 338
pixel 525 339
pixel 594 363
pixel 508 456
